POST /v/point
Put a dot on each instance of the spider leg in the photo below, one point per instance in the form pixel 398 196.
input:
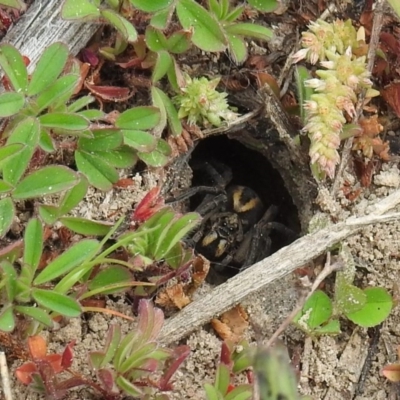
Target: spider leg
pixel 192 191
pixel 216 171
pixel 257 234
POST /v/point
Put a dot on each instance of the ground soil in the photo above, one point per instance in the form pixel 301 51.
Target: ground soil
pixel 328 367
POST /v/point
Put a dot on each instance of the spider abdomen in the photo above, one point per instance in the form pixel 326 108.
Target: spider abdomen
pixel 246 203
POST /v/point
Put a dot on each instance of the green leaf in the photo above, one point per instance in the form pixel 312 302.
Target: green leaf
pixel 14 67
pixel 179 42
pixel 47 180
pixel 155 39
pixel 264 5
pixel 99 173
pixel 33 244
pixel 127 387
pixel 139 140
pixel 45 141
pixel 68 260
pixel 316 310
pixel 396 6
pixel 349 298
pixel 87 227
pixel 49 214
pixel 37 314
pixel 233 15
pixel 176 231
pixel 158 157
pixel 79 9
pixel 151 6
pixel 73 196
pixel 26 132
pixel 157 100
pixel 57 93
pixel 162 65
pixel 92 115
pixel 111 275
pixel 9 151
pixel 9 277
pixel 66 121
pixel 140 118
pixel 241 392
pixel 376 310
pixel 48 68
pixel 161 19
pixel 304 92
pixel 275 377
pixel 10 103
pixel 330 328
pixel 237 47
pixel 164 103
pixel 57 302
pixel 7 212
pixel 211 392
pixel 122 25
pixel 207 32
pixel 5 187
pixel 18 4
pixel 7 321
pixel 222 378
pixel 82 102
pixel 124 157
pixel 102 140
pixel 250 30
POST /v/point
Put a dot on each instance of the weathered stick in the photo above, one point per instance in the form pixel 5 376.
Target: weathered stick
pixel 281 263
pixel 5 377
pixel 42 25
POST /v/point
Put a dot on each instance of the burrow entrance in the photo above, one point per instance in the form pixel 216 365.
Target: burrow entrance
pixel 251 169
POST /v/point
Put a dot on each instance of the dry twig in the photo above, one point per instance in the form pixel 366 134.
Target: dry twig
pixel 5 377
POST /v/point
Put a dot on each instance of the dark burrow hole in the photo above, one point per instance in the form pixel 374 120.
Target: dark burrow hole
pixel 251 169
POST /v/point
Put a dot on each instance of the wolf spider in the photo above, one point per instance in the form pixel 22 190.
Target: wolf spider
pixel 235 230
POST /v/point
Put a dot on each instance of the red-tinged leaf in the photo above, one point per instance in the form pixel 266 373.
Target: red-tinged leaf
pixel 110 93
pixel 151 320
pixel 54 360
pixel 71 383
pixel 37 347
pixel 231 387
pixel 225 354
pixel 68 355
pixel 24 372
pixel 391 372
pixel 150 204
pixel 178 356
pixel 389 41
pixel 107 378
pixel 391 94
pixel 12 251
pixel 90 57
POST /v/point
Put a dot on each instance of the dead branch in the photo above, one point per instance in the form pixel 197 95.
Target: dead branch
pixel 42 25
